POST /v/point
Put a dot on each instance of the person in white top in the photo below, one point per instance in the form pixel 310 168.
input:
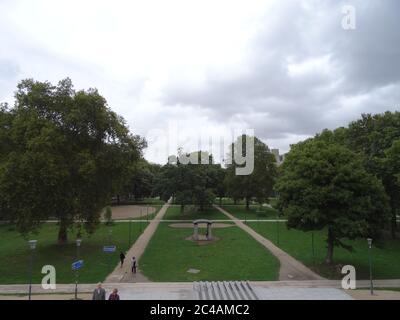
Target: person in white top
pixel 134 265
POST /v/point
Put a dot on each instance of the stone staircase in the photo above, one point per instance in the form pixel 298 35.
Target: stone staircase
pixel 226 290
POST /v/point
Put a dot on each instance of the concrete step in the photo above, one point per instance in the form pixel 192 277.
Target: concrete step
pixel 224 290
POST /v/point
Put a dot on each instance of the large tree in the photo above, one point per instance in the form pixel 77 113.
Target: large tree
pixel 189 183
pixel 324 185
pixel 65 155
pixel 260 182
pixel 140 180
pixel 372 136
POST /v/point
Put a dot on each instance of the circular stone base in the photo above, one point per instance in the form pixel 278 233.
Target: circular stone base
pixel 190 225
pixel 203 240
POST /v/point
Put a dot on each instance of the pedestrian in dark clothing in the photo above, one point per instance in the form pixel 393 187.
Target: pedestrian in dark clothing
pixel 99 293
pixel 114 295
pixel 122 258
pixel 133 262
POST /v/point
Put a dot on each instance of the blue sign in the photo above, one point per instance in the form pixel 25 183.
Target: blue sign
pixel 77 265
pixel 109 249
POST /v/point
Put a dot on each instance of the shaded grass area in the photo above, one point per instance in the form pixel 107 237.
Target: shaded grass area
pixel 15 254
pixel 236 256
pixel 385 258
pixel 174 213
pixel 255 212
pixel 229 201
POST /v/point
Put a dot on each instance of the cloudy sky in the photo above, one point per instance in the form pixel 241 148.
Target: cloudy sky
pixel 286 69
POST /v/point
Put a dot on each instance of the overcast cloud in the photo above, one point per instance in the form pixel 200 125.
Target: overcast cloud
pixel 284 68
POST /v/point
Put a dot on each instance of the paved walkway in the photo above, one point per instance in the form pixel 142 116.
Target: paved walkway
pixel 291 269
pixel 287 290
pixel 124 274
pixel 171 286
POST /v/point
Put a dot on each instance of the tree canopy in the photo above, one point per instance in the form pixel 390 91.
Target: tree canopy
pixel 373 136
pixel 63 155
pixel 190 183
pixel 325 185
pixel 259 183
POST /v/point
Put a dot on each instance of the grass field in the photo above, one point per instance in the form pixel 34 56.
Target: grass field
pixel 15 254
pixel 385 259
pixel 229 201
pixel 254 212
pixel 236 256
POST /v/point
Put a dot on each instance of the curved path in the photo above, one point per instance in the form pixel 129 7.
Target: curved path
pixel 291 269
pixel 124 274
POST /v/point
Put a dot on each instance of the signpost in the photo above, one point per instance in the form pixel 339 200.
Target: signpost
pixel 109 249
pixel 77 265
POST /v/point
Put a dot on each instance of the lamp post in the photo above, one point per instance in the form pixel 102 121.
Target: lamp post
pixel 140 219
pixel 130 232
pixel 109 258
pixel 312 246
pixel 277 229
pixel 78 245
pixel 371 285
pixel 32 246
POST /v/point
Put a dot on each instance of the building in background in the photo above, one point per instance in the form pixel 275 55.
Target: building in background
pixel 279 157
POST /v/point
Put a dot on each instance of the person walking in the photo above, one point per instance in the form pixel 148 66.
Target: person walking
pixel 122 258
pixel 114 295
pixel 99 293
pixel 134 265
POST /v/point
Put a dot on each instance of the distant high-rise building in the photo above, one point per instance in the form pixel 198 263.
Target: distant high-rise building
pixel 278 157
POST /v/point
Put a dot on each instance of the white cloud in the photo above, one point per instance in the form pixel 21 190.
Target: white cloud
pixel 284 68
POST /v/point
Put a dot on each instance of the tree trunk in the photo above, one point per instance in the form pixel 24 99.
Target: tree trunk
pixel 394 223
pixel 182 208
pixel 62 233
pixel 220 201
pixel 329 255
pixel 118 199
pixel 247 203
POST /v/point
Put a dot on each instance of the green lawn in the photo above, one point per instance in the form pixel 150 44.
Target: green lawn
pixel 229 201
pixel 254 212
pixel 299 244
pixel 235 257
pixel 14 253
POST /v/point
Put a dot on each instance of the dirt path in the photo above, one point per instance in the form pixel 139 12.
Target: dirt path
pixel 124 274
pixel 290 269
pixel 131 211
